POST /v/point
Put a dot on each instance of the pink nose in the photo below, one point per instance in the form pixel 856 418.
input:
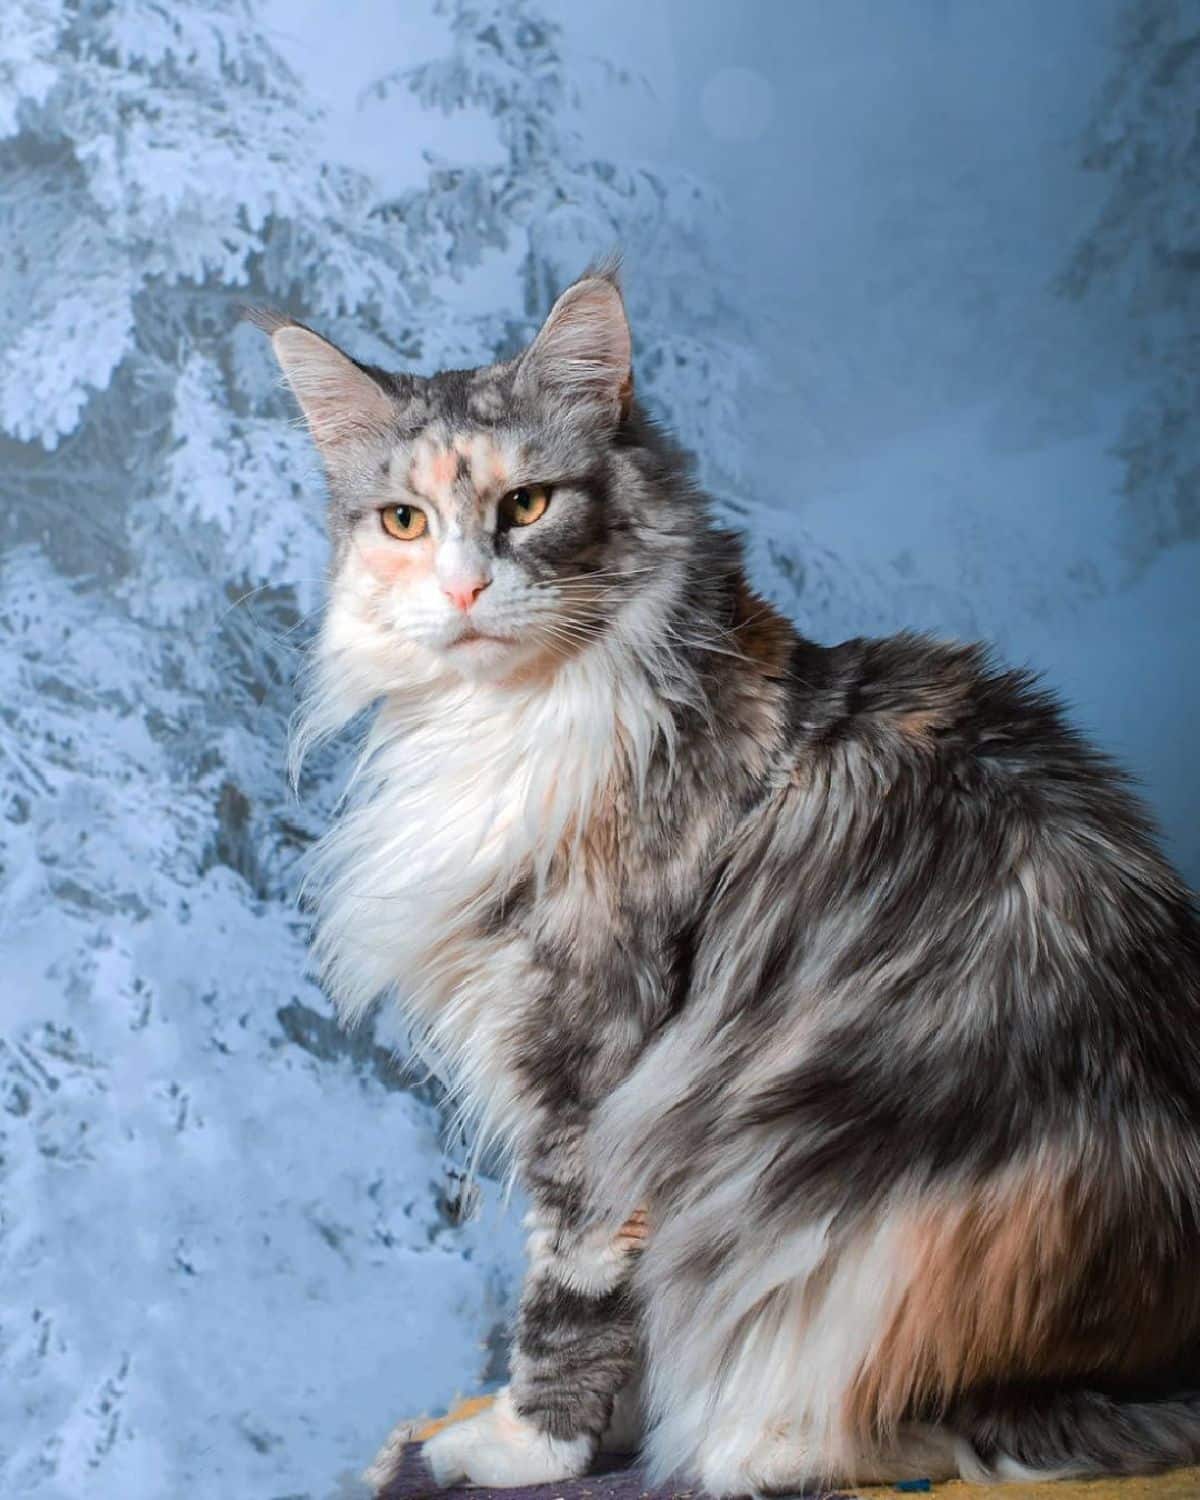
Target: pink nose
pixel 462 593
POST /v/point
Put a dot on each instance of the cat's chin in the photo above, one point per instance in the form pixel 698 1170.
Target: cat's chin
pixel 488 658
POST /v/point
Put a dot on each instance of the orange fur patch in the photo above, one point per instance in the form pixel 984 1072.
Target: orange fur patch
pixel 934 705
pixel 461 1411
pixel 401 562
pixel 433 470
pixel 635 1231
pixel 498 474
pixel 1035 1278
pixel 443 469
pixel 760 632
pixel 919 724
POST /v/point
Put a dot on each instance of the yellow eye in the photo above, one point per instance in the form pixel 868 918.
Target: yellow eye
pixel 525 506
pixel 405 522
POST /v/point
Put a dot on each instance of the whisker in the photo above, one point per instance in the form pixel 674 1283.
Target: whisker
pixel 597 575
pixel 282 584
pixel 698 644
pixel 557 632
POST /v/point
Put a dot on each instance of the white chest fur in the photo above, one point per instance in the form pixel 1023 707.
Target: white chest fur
pixel 453 803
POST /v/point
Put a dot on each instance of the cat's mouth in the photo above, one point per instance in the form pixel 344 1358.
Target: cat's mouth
pixel 469 636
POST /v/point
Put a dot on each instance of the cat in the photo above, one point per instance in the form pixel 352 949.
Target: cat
pixel 838 1011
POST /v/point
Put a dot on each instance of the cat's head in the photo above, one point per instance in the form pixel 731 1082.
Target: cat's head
pixel 486 523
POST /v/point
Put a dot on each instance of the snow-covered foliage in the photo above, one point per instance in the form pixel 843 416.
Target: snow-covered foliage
pixel 547 199
pixel 161 166
pixel 1143 252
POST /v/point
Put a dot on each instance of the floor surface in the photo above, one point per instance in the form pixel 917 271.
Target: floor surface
pixel 619 1481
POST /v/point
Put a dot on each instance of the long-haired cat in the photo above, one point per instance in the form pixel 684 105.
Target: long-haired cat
pixel 835 1004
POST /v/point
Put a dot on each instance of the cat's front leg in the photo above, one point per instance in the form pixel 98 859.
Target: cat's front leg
pixel 576 1347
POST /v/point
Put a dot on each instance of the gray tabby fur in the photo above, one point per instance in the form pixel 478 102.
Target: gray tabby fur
pixel 836 1005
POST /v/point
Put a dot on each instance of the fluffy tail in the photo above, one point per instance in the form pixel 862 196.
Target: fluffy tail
pixel 1079 1434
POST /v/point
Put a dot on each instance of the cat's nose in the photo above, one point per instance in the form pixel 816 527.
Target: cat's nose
pixel 463 592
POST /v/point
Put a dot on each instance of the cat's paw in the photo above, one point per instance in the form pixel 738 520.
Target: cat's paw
pixel 501 1449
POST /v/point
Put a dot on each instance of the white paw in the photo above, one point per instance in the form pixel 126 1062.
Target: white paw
pixel 500 1448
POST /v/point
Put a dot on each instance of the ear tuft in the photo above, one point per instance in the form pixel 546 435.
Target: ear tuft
pixel 340 399
pixel 268 319
pixel 584 351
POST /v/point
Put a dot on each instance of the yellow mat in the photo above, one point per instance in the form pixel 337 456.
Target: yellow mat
pixel 1180 1484
pixel 459 1412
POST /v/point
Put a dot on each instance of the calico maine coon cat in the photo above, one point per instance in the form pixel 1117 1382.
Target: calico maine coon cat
pixel 835 1004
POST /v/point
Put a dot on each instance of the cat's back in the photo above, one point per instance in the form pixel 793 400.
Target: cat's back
pixel 918 730
pixel 944 945
pixel 959 856
pixel 935 701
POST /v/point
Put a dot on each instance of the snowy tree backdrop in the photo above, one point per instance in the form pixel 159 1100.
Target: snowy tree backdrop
pixel 232 1238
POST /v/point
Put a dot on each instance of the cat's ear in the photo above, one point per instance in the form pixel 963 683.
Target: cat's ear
pixel 341 400
pixel 584 353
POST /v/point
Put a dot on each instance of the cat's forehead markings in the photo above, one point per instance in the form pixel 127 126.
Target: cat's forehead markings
pixel 472 460
pixel 482 461
pixel 433 469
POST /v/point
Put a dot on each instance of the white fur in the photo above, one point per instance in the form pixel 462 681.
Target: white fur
pixel 499 1447
pixel 782 1459
pixel 757 1356
pixel 593 1263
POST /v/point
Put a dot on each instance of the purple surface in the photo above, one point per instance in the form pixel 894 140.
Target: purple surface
pixel 614 1479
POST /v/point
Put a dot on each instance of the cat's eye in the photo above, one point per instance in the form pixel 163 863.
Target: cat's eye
pixel 405 522
pixel 525 506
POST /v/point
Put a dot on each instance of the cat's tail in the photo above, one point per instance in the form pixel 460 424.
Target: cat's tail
pixel 1066 1433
